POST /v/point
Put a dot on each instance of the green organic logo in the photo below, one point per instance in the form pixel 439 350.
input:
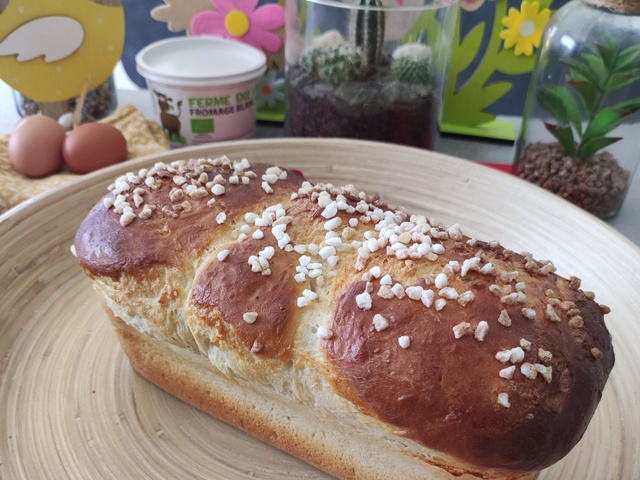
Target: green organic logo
pixel 202 125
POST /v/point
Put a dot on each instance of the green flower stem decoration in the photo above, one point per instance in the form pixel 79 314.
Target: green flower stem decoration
pixel 599 71
pixel 466 105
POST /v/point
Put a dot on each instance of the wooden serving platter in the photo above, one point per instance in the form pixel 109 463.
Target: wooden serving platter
pixel 72 407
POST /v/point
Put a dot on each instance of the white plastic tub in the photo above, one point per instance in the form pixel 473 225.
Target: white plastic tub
pixel 204 88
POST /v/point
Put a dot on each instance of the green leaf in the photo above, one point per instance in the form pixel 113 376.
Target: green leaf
pixel 587 93
pixel 571 107
pixel 634 72
pixel 608 54
pixel 628 106
pixel 605 120
pixel 579 71
pixel 620 80
pixel 610 43
pixel 558 101
pixel 594 145
pixel 628 58
pixel 610 118
pixel 550 103
pixel 564 135
pixel 597 66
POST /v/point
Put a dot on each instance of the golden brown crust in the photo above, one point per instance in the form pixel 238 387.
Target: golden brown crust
pixel 442 391
pixel 184 219
pixel 486 359
pixel 224 291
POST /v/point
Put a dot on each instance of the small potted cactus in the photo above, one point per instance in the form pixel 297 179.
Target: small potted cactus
pixel 363 76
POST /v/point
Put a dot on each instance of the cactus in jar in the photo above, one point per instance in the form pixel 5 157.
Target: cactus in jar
pixel 412 63
pixel 367 31
pixel 334 64
pixel 336 60
pixel 348 85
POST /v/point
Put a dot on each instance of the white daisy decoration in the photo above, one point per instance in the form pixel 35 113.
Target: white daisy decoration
pixel 270 89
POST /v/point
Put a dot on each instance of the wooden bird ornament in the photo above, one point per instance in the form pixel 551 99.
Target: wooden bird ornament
pixel 55 51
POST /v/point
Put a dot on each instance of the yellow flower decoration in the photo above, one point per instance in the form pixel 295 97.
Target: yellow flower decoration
pixel 524 27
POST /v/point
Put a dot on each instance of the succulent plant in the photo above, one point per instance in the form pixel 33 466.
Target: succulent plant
pixel 334 65
pixel 605 68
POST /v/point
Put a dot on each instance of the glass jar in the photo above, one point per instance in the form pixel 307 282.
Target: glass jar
pixel 369 70
pixel 97 104
pixel 580 132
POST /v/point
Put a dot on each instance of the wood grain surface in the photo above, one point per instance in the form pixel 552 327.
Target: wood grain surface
pixel 72 407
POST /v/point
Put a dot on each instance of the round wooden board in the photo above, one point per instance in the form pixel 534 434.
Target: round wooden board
pixel 71 406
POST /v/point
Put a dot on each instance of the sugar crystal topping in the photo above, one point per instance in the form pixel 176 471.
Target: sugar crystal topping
pixel 380 323
pixel 503 399
pixel 250 317
pixel 404 341
pixel 324 333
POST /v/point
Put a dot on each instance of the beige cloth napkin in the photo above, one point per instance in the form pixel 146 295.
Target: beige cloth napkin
pixel 144 137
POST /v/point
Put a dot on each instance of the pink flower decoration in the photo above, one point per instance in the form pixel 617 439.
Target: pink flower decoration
pixel 241 20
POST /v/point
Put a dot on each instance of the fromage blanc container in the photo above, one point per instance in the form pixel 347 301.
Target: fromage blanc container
pixel 203 88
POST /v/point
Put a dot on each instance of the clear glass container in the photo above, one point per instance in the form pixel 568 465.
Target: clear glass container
pixel 98 103
pixel 580 135
pixel 371 70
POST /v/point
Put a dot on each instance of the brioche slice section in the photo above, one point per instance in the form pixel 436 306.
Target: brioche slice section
pixel 283 422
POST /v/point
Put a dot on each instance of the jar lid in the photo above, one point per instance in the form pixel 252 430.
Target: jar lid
pixel 618 6
pixel 200 61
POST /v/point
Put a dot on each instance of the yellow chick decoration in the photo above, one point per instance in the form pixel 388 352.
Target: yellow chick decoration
pixel 51 51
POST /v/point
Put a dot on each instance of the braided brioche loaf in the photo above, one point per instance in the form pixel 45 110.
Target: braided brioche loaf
pixel 366 341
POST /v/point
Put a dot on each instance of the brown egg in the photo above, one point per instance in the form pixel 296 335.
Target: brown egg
pixel 35 146
pixel 92 146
